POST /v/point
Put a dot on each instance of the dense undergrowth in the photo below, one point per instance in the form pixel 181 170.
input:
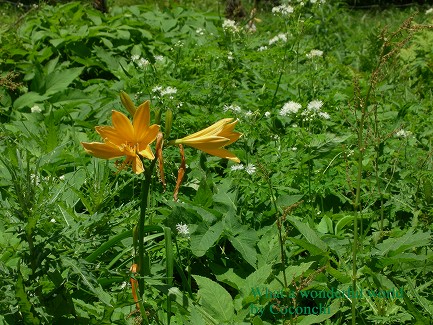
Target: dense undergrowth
pixel 333 195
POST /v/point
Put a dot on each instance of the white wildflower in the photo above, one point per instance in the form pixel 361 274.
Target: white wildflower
pixel 230 56
pixel 156 89
pixel 283 10
pixel 324 115
pixel 248 114
pixel 280 37
pixel 402 134
pixel 200 31
pixel 143 62
pixel 314 105
pixel 237 167
pixel 267 114
pixel 182 229
pixel 53 220
pixel 262 48
pixel 250 169
pixel 159 58
pixel 233 108
pixel 290 108
pixel 36 109
pixel 135 58
pixel 429 11
pixel 230 26
pixel 168 91
pixel 314 53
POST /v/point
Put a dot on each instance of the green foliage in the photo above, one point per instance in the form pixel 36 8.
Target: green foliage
pixel 273 233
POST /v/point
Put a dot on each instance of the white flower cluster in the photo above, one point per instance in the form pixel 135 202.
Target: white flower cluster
pixel 429 11
pixel 230 26
pixel 36 109
pixel 199 31
pixel 182 229
pixel 402 134
pixel 290 108
pixel 280 37
pixel 314 53
pixel 232 108
pixel 284 10
pixel 141 62
pixel 262 48
pixel 250 168
pixel 313 109
pixel 165 91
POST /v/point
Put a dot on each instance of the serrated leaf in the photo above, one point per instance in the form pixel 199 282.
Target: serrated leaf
pixel 60 80
pixel 204 238
pixel 215 299
pixel 393 246
pixel 245 243
pixel 29 99
pixel 309 234
pixel 288 200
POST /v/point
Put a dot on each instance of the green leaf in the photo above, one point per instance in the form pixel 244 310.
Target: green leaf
pixel 393 246
pixel 316 319
pixel 60 80
pixel 95 288
pixel 342 223
pixel 285 200
pixel 204 238
pixel 215 299
pixel 23 301
pixel 245 243
pixel 309 234
pixel 29 99
pixel 269 247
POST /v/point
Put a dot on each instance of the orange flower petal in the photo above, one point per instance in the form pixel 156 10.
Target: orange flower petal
pixel 147 153
pixel 149 136
pixel 141 121
pixel 110 134
pixel 102 150
pixel 123 126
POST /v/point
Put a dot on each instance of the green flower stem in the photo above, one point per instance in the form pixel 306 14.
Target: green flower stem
pixel 143 257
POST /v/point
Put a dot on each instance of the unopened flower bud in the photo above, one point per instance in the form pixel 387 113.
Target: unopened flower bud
pixel 127 102
pixel 168 122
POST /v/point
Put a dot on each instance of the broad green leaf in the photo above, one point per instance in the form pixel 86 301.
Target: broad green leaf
pixel 23 301
pixel 258 278
pixel 60 80
pixel 245 243
pixel 204 238
pixel 393 246
pixel 215 299
pixel 88 281
pixel 329 311
pixel 29 99
pixel 342 223
pixel 309 234
pixel 285 200
pixel 269 247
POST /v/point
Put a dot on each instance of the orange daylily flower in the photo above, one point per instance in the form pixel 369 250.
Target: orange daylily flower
pixel 126 139
pixel 213 139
